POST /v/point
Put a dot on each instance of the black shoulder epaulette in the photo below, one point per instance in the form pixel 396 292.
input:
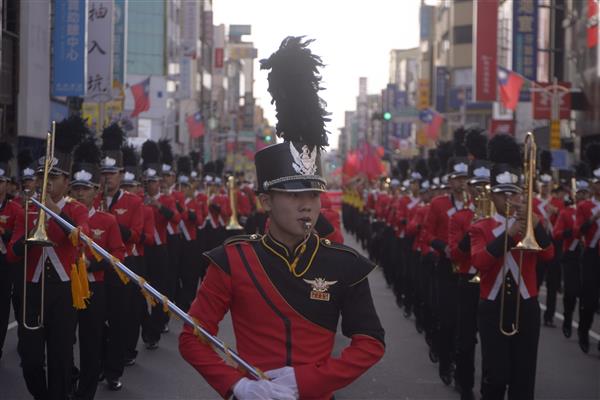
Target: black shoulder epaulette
pixel 338 246
pixel 242 238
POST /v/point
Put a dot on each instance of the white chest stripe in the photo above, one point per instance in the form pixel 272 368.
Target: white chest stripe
pixel 596 237
pixel 50 253
pixel 184 230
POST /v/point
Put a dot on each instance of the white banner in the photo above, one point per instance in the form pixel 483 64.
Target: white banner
pixel 189 30
pixel 100 50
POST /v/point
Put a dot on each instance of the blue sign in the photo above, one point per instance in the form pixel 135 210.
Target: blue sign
pixel 560 159
pixel 442 76
pixel 401 100
pixel 69 48
pixel 525 29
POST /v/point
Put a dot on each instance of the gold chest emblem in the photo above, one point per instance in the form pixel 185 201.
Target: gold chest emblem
pixel 320 288
pixel 97 233
pixel 120 211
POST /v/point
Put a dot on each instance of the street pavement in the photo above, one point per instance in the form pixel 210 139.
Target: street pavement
pixel 405 372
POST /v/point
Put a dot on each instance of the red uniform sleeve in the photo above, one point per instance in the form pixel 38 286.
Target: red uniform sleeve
pixel 480 257
pixel 412 229
pixel 116 247
pixel 209 307
pixel 456 233
pixel 560 226
pixel 148 226
pixel 137 220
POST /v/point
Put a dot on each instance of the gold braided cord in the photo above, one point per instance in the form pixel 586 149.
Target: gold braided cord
pixel 292 266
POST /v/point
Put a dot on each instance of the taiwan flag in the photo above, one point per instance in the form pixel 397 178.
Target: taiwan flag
pixel 141 97
pixel 195 125
pixel 433 121
pixel 510 86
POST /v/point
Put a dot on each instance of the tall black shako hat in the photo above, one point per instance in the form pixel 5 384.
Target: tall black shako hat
pixel 26 165
pixel 184 170
pixel 6 154
pixel 505 156
pixel 545 167
pixel 458 164
pixel 476 142
pixel 151 166
pixel 86 164
pixel 131 166
pixel 113 138
pixel 294 83
pixel 592 154
pixel 166 157
pixel 68 134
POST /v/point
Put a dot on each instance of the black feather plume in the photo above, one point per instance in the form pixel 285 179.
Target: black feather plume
pixel 130 158
pixel 150 152
pixel 582 171
pixel 6 152
pixel 545 161
pixel 113 137
pixel 421 168
pixel 195 158
pixel 69 133
pixel 445 150
pixel 476 141
pixel 184 165
pixel 294 84
pixel 219 166
pixel 592 154
pixel 166 152
pixel 403 167
pixel 458 143
pixel 209 168
pixel 504 149
pixel 87 152
pixel 433 162
pixel 24 159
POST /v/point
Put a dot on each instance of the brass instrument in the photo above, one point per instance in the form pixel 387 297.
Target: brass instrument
pixel 39 237
pixel 233 224
pixel 528 242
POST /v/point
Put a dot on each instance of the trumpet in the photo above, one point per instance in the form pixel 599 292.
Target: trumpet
pixel 233 224
pixel 39 237
pixel 528 242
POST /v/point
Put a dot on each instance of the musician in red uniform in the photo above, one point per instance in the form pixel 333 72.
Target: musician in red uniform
pixel 588 225
pixel 440 211
pixel 105 231
pixel 127 208
pixel 50 350
pixel 509 362
pixel 10 277
pixel 287 289
pixel 156 256
pixel 565 232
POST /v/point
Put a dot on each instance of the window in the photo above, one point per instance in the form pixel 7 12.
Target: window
pixel 463 34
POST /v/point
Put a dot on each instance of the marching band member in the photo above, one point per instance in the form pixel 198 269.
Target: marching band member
pixel 105 232
pixel 287 289
pixel 588 225
pixel 509 362
pixel 50 349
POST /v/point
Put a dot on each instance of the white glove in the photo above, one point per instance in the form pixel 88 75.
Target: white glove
pixel 247 389
pixel 285 377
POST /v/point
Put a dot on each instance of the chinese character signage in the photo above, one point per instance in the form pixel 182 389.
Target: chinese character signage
pixel 100 50
pixel 592 23
pixel 525 28
pixel 423 94
pixel 542 100
pixel 120 40
pixel 68 48
pixel 486 38
pixel 442 76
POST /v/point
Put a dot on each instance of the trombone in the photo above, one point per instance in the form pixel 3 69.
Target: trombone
pixel 528 242
pixel 39 237
pixel 233 224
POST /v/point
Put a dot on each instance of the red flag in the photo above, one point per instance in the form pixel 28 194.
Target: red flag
pixel 141 97
pixel 371 163
pixel 433 121
pixel 510 87
pixel 195 125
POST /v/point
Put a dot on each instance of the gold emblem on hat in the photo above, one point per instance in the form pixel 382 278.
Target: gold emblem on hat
pixel 320 288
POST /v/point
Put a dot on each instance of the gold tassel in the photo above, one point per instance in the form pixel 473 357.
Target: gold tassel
pixel 165 303
pixel 97 256
pixel 83 277
pixel 124 278
pixel 145 293
pixel 198 334
pixel 228 358
pixel 76 294
pixel 74 237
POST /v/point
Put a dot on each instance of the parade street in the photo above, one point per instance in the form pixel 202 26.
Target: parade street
pixel 405 372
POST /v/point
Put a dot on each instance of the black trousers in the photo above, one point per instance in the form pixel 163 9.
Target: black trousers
pixel 11 282
pixel 91 323
pixel 447 312
pixel 156 260
pixel 428 284
pixel 466 331
pixel 119 311
pixel 173 268
pixel 408 270
pixel 50 346
pixel 590 283
pixel 138 308
pixel 572 286
pixel 509 362
pixel 192 265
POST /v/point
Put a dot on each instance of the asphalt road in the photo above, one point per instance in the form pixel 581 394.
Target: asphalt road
pixel 405 372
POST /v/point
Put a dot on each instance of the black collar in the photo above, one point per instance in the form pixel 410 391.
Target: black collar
pixel 302 249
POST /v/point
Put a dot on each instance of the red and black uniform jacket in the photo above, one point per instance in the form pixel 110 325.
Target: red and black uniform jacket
pixel 128 209
pixel 214 217
pixel 333 218
pixel 416 228
pixel 163 215
pixel 191 218
pixel 105 231
pixel 202 201
pixel 589 229
pixel 541 207
pixel 283 320
pixel 243 204
pixel 381 207
pixel 147 238
pixel 436 223
pixel 565 231
pixel 460 241
pixel 10 211
pixel 170 198
pixel 488 255
pixel 406 208
pixel 62 256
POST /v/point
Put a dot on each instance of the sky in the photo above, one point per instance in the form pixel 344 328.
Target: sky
pixel 353 37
